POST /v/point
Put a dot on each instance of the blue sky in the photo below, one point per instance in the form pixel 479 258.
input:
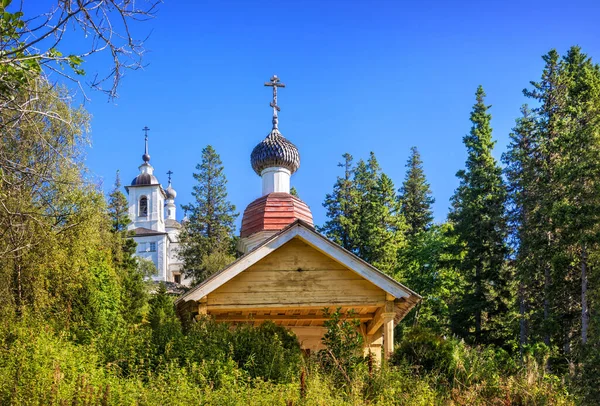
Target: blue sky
pixel 361 76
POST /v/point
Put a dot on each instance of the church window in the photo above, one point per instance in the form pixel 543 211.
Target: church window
pixel 143 206
pixel 152 246
pixel 177 278
pixel 169 212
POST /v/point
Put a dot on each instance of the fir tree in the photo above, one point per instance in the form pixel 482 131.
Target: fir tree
pixel 379 226
pixel 415 196
pixel 524 194
pixel 133 293
pixel 341 207
pixel 210 227
pixel 118 209
pixel 480 224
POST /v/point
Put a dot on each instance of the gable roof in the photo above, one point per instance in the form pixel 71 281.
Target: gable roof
pixel 146 232
pixel 306 233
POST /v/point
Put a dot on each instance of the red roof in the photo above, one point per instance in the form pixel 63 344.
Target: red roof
pixel 273 212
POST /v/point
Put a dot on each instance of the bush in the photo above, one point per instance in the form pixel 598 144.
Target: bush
pixel 425 351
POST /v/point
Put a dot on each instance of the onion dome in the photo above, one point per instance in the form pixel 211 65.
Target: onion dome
pixel 171 193
pixel 144 179
pixel 275 151
pixel 273 212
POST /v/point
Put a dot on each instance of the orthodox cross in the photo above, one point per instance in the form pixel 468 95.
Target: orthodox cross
pixel 275 82
pixel 146 157
pixel 170 173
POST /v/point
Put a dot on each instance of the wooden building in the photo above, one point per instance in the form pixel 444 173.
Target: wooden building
pixel 289 273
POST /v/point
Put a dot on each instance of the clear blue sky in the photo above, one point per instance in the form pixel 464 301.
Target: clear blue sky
pixel 361 76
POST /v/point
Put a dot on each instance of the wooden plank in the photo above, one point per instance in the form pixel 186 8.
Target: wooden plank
pixel 334 298
pixel 286 317
pixel 255 275
pixel 331 249
pixel 300 286
pixel 220 308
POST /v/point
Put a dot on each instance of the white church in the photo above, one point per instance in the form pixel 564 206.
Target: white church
pixel 153 223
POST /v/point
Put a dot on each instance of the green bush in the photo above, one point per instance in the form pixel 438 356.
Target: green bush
pixel 425 351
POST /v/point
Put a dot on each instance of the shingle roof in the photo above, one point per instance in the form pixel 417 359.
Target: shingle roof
pixel 275 151
pixel 273 212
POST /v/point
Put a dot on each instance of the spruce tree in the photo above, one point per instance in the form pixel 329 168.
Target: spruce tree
pixel 379 225
pixel 118 208
pixel 208 233
pixel 480 224
pixel 415 196
pixel 132 278
pixel 341 208
pixel 523 169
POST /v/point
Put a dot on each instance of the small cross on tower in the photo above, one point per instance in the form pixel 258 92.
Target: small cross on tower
pixel 275 82
pixel 146 156
pixel 170 173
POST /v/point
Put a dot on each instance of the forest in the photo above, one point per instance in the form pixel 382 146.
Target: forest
pixel 510 280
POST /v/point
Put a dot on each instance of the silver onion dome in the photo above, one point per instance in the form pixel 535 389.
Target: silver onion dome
pixel 275 151
pixel 144 179
pixel 171 193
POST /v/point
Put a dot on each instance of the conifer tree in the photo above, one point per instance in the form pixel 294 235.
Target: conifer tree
pixel 523 170
pixel 132 277
pixel 364 215
pixel 118 209
pixel 415 196
pixel 380 227
pixel 480 224
pixel 341 207
pixel 208 233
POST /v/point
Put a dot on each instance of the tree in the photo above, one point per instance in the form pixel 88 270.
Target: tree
pixel 31 46
pixel 118 207
pixel 415 196
pixel 208 233
pixel 363 213
pixel 429 266
pixel 480 225
pixel 525 192
pixel 341 207
pixel 379 226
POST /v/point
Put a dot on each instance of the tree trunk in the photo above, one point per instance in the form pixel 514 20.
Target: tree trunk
pixel 478 299
pixel 585 313
pixel 522 321
pixel 18 287
pixel 547 283
pixel 546 304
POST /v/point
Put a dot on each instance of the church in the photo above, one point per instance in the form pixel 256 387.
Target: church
pixel 287 272
pixel 153 226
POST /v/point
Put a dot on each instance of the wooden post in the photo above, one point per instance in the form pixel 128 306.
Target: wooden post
pixel 388 333
pixel 388 327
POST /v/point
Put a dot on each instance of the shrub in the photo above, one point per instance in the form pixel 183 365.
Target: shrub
pixel 424 351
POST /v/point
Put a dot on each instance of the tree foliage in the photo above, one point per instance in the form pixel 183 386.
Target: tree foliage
pixel 478 215
pixel 206 238
pixel 415 196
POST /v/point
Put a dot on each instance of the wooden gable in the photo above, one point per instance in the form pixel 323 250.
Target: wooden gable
pixel 296 275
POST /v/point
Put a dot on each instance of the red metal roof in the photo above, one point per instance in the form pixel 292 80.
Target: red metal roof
pixel 273 212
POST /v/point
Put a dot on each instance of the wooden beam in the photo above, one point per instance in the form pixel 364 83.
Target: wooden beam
pixel 291 306
pixel 290 317
pixel 377 321
pixel 388 333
